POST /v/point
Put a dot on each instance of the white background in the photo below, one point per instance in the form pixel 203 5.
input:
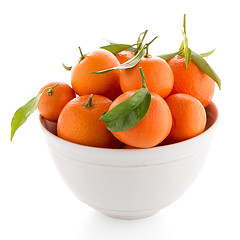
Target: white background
pixel 36 37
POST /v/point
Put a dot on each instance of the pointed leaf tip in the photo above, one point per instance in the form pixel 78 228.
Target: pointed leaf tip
pixel 207 53
pixel 21 115
pixel 66 67
pixel 205 67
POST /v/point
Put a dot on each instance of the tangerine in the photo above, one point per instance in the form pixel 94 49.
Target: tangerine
pixel 159 76
pixel 124 56
pixel 85 82
pixel 53 100
pixel 114 93
pixel 79 122
pixel 191 80
pixel 152 129
pixel 189 117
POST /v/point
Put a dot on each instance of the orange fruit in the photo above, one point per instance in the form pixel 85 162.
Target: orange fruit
pixel 52 101
pixel 152 129
pixel 189 117
pixel 192 80
pixel 79 122
pixel 114 93
pixel 84 82
pixel 159 76
pixel 124 56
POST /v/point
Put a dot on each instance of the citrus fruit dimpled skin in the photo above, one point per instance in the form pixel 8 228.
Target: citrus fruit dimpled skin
pixel 159 76
pixel 152 129
pixel 51 104
pixel 192 80
pixel 84 82
pixel 80 124
pixel 189 117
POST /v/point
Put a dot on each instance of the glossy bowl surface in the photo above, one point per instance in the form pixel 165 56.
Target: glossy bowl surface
pixel 130 183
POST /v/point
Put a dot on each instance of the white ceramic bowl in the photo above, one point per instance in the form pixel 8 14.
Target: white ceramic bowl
pixel 130 183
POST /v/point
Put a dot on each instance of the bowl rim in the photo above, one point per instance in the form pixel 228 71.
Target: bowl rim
pixel 129 153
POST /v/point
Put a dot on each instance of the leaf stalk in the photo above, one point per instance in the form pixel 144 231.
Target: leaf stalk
pixel 147 45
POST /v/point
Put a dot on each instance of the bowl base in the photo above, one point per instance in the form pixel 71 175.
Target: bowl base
pixel 130 215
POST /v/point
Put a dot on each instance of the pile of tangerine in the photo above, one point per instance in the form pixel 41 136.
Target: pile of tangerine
pixel 179 96
pixel 122 97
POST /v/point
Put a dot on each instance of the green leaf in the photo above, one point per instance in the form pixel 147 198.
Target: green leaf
pixel 205 67
pixel 139 40
pixel 207 53
pixel 168 56
pixel 131 48
pixel 116 47
pixel 129 64
pixel 67 68
pixel 130 112
pixel 181 49
pixel 187 52
pixel 187 56
pixel 21 115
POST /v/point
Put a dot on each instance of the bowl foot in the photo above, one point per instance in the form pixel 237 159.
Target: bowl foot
pixel 130 215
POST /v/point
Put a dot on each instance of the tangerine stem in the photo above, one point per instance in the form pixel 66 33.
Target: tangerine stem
pixel 82 55
pixel 143 78
pixel 147 45
pixel 140 43
pixel 89 102
pixel 49 92
pixel 184 24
